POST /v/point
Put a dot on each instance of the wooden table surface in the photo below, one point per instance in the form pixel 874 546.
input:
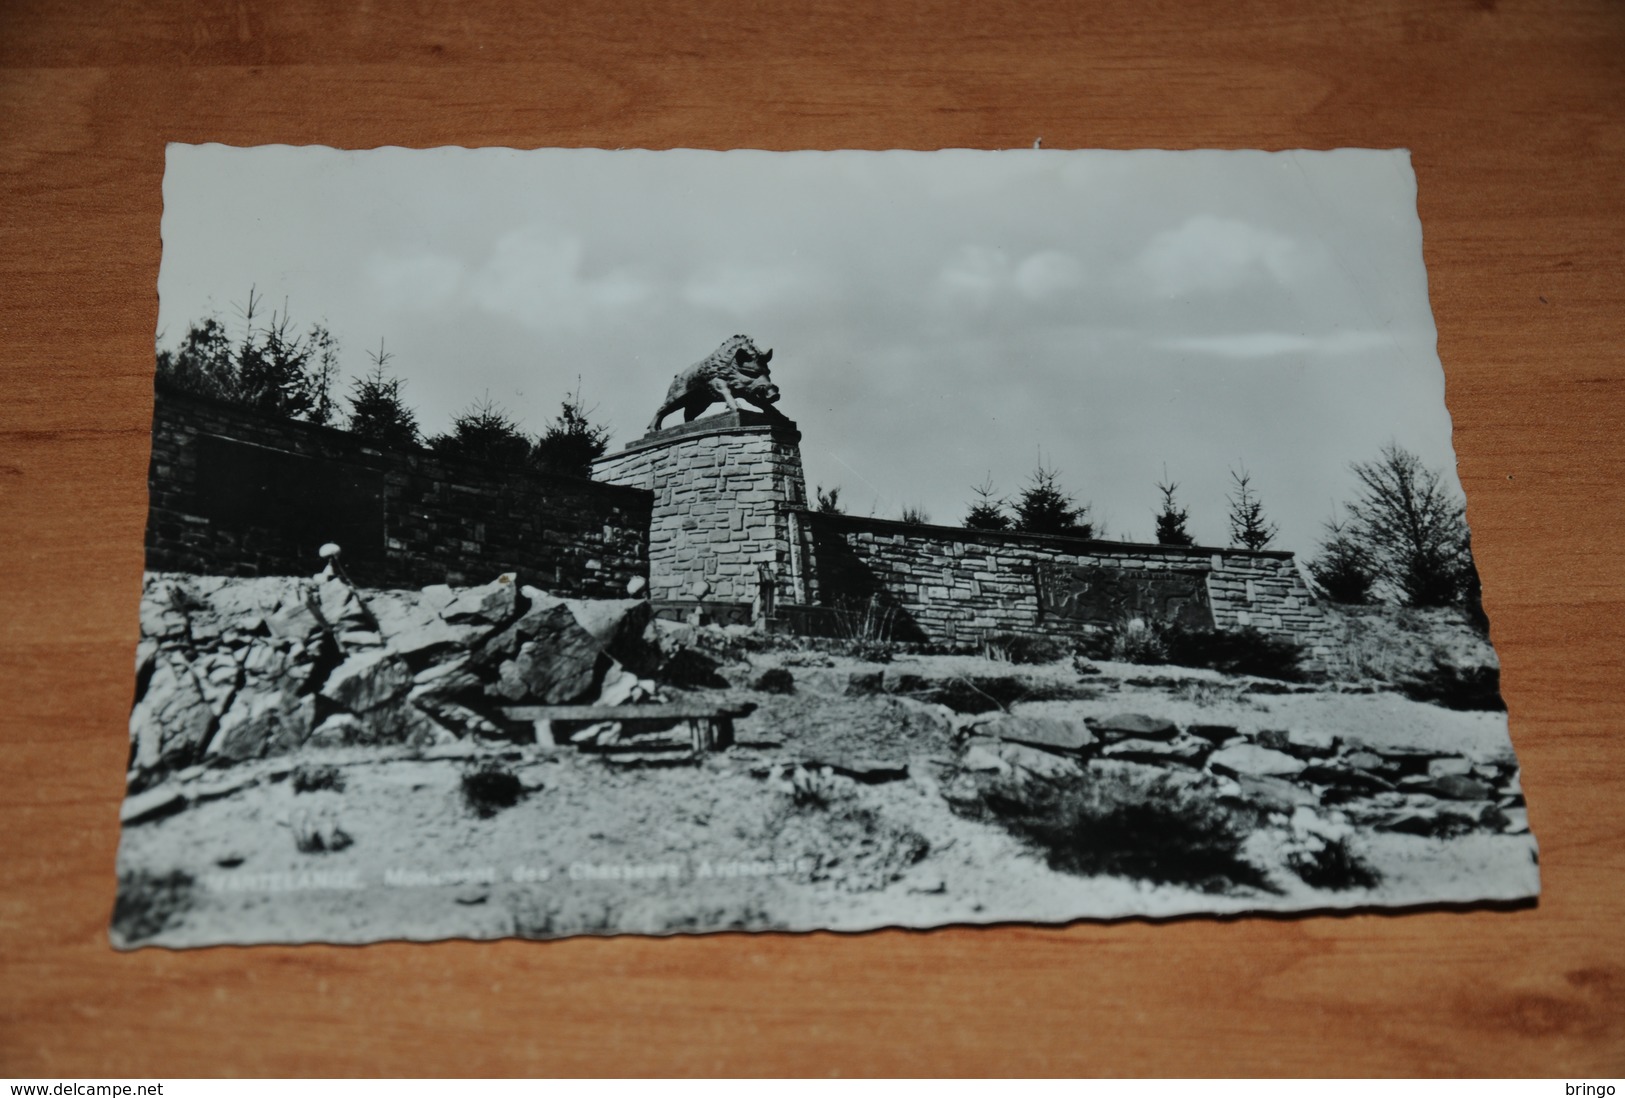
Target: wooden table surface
pixel 1515 113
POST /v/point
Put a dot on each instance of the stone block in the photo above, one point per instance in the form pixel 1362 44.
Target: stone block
pixel 1136 725
pixel 1252 760
pixel 1050 733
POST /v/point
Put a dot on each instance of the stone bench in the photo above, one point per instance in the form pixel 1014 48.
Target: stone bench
pixel 711 727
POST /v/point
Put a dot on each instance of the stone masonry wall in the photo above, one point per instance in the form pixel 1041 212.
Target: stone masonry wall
pixel 237 493
pixel 954 586
pixel 726 492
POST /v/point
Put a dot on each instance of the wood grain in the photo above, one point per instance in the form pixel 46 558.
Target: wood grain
pixel 1515 113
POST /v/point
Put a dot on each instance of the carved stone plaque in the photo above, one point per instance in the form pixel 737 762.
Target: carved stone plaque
pixel 1105 595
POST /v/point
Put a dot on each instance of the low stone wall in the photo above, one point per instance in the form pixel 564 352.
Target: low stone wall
pixel 954 586
pixel 725 489
pixel 236 493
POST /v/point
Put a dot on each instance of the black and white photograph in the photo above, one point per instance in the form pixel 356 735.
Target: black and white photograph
pixel 575 541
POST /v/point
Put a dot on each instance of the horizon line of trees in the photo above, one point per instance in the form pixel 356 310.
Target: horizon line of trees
pixel 1402 539
pixel 275 369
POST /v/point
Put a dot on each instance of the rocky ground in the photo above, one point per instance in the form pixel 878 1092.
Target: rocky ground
pixel 315 763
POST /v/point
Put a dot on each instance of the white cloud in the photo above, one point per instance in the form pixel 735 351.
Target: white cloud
pixel 539 279
pixel 1048 274
pixel 978 275
pixel 1272 344
pixel 974 275
pixel 1207 254
pixel 742 289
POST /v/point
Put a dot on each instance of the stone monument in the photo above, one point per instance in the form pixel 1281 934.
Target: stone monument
pixel 724 539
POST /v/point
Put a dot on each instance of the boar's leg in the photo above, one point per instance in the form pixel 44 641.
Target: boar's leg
pixel 666 409
pixel 720 386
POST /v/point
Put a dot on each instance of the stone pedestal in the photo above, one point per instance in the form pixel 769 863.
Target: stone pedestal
pixel 724 489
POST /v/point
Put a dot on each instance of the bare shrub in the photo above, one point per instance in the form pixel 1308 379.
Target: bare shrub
pixel 865 629
pixel 775 680
pixel 850 846
pixel 1137 641
pixel 1332 865
pixel 319 835
pixel 1429 655
pixel 1245 651
pixel 311 778
pixel 814 789
pixel 490 787
pixel 1021 648
pixel 1122 823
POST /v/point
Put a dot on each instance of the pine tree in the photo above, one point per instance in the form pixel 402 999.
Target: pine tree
pixel 1343 567
pixel 1249 529
pixel 323 373
pixel 272 369
pixel 1171 521
pixel 571 442
pixel 829 503
pixel 1043 508
pixel 274 365
pixel 203 362
pixel 915 516
pixel 484 432
pixel 987 513
pixel 1414 530
pixel 377 412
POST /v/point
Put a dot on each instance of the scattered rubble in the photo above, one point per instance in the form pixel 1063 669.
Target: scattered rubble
pixel 1401 788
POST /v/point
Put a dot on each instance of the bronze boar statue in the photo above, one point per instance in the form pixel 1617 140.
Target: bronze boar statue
pixel 735 369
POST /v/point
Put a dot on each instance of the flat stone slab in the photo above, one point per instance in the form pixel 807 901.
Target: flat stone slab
pixel 1365 760
pixel 1277 793
pixel 1035 760
pixel 1457 787
pixel 1137 725
pixel 1254 761
pixel 866 770
pixel 1423 822
pixel 1406 751
pixel 1049 733
pixel 1303 743
pixel 1214 733
pixel 980 758
pixel 1187 750
pixel 150 805
pixel 1345 777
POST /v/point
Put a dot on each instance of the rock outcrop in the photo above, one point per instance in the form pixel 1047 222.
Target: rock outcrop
pixel 237 669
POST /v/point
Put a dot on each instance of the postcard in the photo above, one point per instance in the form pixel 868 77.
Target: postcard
pixel 575 541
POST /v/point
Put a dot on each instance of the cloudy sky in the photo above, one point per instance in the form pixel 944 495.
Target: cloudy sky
pixel 938 317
